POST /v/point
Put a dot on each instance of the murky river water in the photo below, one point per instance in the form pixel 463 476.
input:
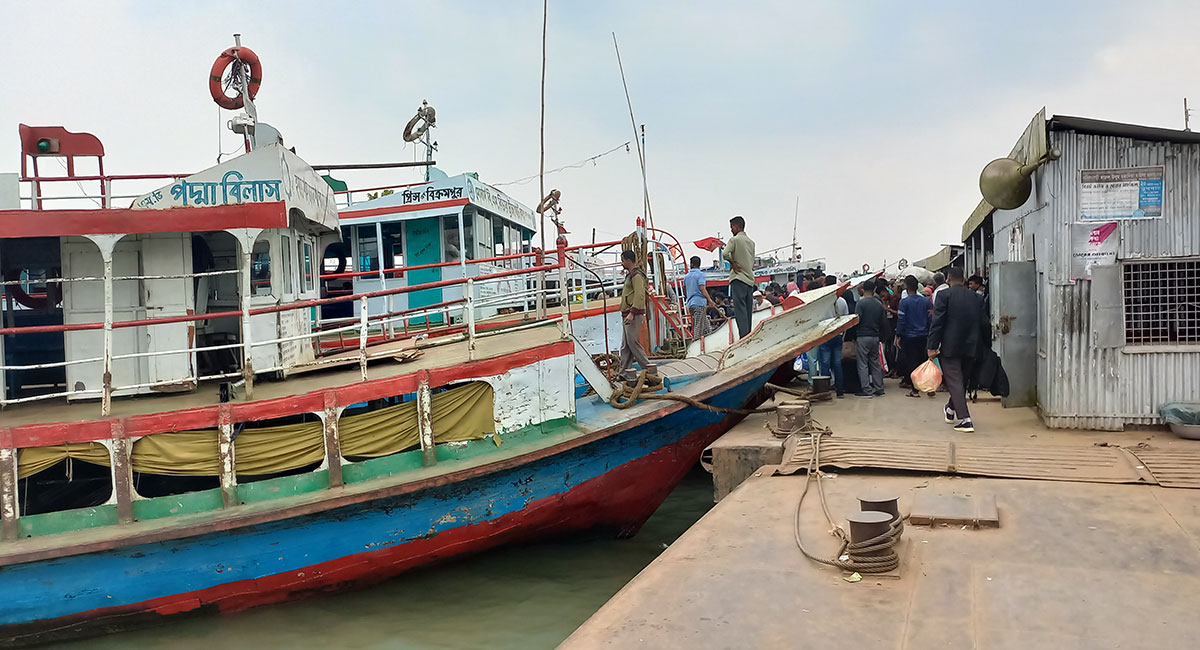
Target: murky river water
pixel 523 598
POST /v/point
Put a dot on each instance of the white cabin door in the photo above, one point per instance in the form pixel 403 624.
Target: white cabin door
pixel 169 254
pixel 83 302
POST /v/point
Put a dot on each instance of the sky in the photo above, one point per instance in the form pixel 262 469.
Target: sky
pixel 874 117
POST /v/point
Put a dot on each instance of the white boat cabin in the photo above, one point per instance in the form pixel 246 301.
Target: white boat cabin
pixel 178 251
pixel 454 225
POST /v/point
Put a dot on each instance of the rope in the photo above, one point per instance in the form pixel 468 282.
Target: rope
pixel 625 397
pixel 851 556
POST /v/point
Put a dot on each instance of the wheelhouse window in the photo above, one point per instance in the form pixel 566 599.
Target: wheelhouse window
pixel 1162 302
pixel 368 248
pixel 306 264
pixel 285 271
pixel 393 246
pixel 260 268
pixel 451 246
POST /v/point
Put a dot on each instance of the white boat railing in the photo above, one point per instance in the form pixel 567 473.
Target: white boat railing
pixel 577 282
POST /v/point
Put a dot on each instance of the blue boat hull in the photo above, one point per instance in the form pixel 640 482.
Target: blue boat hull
pixel 612 482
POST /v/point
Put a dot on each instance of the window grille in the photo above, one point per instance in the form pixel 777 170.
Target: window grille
pixel 1162 302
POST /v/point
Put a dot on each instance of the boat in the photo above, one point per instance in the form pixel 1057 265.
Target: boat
pixel 185 428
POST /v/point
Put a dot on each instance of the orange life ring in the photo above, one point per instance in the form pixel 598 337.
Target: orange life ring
pixel 52 298
pixel 246 55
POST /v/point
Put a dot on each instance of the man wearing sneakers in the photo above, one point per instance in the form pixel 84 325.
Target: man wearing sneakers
pixel 954 337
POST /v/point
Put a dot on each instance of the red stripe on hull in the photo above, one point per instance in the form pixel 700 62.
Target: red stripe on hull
pixel 57 433
pixel 620 500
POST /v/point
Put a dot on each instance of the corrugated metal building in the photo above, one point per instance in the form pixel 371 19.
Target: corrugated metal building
pixel 1115 293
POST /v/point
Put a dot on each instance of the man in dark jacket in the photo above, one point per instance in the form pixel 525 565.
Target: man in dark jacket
pixel 954 336
pixel 870 327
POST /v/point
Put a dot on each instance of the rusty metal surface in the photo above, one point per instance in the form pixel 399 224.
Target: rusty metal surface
pixel 1171 468
pixel 1089 464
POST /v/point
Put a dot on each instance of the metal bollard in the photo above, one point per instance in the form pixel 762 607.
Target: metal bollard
pixel 881 502
pixel 868 525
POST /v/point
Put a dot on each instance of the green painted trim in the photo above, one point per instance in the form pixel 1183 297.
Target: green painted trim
pixel 177 504
pixel 283 486
pixel 366 470
pixel 51 523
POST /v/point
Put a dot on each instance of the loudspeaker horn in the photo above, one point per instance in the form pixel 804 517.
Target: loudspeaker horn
pixel 1005 183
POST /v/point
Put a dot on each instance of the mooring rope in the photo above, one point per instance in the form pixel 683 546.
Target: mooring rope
pixel 852 556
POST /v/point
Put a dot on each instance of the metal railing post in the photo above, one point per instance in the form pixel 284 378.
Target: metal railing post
pixel 247 288
pixel 362 337
pixel 469 316
pixel 563 295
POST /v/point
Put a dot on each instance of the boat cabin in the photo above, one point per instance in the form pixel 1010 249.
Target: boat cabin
pixel 175 251
pixel 453 226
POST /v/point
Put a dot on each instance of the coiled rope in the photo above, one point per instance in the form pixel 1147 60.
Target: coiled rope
pixel 851 556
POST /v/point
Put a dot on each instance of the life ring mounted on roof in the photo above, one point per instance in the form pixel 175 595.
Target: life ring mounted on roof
pixel 239 55
pixel 550 203
pixel 426 117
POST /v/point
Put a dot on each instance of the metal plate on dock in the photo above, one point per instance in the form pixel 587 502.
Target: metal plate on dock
pixel 1088 464
pixel 977 510
pixel 1171 468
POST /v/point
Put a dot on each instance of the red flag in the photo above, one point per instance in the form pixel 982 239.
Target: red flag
pixel 709 243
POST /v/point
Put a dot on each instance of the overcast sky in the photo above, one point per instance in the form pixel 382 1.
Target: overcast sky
pixel 877 115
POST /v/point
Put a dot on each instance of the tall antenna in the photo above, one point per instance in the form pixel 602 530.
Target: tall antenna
pixel 795 218
pixel 1187 116
pixel 647 214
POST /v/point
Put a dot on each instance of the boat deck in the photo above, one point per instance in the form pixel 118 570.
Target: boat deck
pixel 381 366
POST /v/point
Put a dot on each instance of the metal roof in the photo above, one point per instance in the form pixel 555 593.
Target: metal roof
pixel 1120 130
pixel 1032 144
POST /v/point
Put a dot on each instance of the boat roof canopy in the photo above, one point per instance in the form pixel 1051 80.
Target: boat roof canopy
pixel 271 173
pixel 448 194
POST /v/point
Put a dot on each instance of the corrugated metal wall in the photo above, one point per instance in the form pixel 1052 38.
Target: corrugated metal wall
pixel 1176 234
pixel 1080 385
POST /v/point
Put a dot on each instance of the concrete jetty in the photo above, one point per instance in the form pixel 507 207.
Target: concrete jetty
pixel 1073 563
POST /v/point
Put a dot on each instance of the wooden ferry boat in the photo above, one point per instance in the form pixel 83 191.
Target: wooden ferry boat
pixel 184 425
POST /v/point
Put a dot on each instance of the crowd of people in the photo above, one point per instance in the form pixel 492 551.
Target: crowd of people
pixel 901 323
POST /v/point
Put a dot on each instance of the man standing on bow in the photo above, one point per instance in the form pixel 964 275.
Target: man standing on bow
pixel 954 337
pixel 698 299
pixel 740 254
pixel 633 314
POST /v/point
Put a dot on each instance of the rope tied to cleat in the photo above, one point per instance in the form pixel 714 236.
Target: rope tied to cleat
pixel 874 555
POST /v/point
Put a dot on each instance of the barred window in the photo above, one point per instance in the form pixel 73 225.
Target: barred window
pixel 1162 302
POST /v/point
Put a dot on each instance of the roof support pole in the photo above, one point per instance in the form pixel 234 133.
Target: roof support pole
pixel 425 423
pixel 122 472
pixel 333 445
pixel 106 244
pixel 9 510
pixel 228 463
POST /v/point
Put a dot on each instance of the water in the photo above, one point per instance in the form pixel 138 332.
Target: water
pixel 524 597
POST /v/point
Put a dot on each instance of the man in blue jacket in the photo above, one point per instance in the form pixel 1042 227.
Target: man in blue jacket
pixel 912 330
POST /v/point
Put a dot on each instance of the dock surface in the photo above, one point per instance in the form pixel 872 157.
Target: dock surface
pixel 1073 564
